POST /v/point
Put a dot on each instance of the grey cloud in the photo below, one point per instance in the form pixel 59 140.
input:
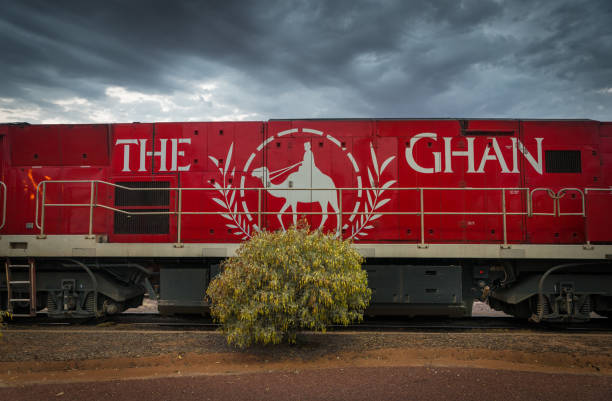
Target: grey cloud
pixel 276 59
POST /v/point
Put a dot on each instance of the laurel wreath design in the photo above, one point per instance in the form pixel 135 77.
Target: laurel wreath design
pixel 228 201
pixel 375 199
pixel 359 227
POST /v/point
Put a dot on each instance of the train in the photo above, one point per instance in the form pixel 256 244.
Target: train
pixel 513 212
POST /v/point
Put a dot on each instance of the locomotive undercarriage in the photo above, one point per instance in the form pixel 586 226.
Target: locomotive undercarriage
pixel 76 289
pixel 404 287
pixel 531 291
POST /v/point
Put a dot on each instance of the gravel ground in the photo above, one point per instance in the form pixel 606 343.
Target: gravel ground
pixel 126 364
pixel 121 362
pixel 70 345
pixel 338 384
pixel 28 353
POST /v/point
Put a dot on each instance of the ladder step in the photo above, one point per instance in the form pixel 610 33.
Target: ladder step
pixel 21 282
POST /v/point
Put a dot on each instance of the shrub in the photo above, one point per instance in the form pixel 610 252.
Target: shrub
pixel 3 314
pixel 283 282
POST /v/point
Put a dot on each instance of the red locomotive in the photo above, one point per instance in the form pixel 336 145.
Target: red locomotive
pixel 444 210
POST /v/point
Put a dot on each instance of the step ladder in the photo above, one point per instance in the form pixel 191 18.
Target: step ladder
pixel 29 284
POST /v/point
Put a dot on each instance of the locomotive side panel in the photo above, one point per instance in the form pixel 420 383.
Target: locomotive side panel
pixel 140 164
pixel 323 155
pixel 220 154
pixel 458 168
pixel 599 219
pixel 58 152
pixel 569 159
pixel 446 159
pixel 194 157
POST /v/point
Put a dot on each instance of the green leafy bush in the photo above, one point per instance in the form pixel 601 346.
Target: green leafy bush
pixel 283 282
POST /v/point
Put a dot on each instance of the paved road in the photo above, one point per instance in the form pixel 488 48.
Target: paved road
pixel 337 384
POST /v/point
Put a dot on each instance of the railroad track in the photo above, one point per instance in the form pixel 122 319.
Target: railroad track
pixel 154 321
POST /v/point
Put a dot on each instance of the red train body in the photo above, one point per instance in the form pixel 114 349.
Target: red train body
pixel 510 195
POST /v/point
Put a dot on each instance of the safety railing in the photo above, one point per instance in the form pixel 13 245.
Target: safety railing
pixel 586 228
pixel 3 186
pixel 556 197
pixel 422 212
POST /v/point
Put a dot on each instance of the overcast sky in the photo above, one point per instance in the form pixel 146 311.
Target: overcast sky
pixel 123 61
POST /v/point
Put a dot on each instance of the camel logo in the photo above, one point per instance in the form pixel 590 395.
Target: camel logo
pixel 300 183
pixel 293 189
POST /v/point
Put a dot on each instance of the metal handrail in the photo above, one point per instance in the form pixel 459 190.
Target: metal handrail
pixel 556 196
pixel 550 193
pixel 586 227
pixel 3 185
pixel 562 193
pixel 586 190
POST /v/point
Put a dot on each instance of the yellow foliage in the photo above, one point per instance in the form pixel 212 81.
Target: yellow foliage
pixel 283 282
pixel 4 314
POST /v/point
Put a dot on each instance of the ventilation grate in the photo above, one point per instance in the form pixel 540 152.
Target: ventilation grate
pixel 142 223
pixel 150 201
pixel 563 161
pixel 126 197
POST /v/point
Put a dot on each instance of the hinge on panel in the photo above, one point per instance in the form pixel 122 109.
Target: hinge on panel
pixel 505 246
pixel 588 247
pixel 422 246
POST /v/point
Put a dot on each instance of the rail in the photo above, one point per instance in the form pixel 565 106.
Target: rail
pixel 41 204
pixel 556 197
pixel 3 185
pixel 586 192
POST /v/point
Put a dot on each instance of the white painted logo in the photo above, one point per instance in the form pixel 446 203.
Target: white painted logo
pixel 449 154
pixel 141 146
pixel 307 186
pixel 292 188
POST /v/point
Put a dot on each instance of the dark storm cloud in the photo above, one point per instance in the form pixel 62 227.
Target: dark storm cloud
pixel 273 59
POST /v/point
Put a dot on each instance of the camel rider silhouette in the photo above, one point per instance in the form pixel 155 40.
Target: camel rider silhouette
pixel 307 176
pixel 304 173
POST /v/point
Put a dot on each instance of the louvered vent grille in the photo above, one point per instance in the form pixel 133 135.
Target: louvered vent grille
pixel 125 197
pixel 563 161
pixel 142 201
pixel 142 223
